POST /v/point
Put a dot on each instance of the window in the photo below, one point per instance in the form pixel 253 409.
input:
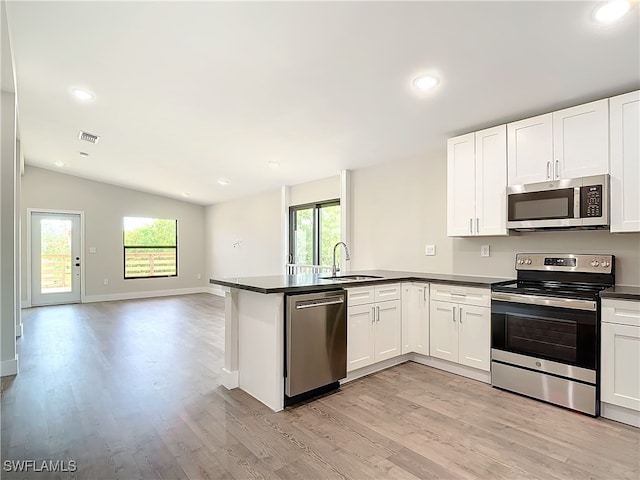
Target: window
pixel 313 231
pixel 150 247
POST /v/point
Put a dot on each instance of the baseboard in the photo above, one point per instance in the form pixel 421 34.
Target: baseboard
pixel 620 414
pixel 9 367
pixel 150 294
pixel 450 367
pixel 376 367
pixel 229 379
pixel 18 330
pixel 216 290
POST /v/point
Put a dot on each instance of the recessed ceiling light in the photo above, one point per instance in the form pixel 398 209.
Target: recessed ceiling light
pixel 84 154
pixel 186 194
pixel 273 164
pixel 425 82
pixel 223 181
pixel 612 11
pixel 59 164
pixel 83 95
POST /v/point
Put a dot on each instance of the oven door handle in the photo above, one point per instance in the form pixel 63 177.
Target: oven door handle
pixel 572 303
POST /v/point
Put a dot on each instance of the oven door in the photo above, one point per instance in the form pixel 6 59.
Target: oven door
pixel 561 330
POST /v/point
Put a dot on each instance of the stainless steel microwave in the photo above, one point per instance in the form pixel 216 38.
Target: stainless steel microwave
pixel 571 203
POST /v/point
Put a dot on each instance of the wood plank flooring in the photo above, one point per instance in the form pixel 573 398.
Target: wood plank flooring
pixel 131 390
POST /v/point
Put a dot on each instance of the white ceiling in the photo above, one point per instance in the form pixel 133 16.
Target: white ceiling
pixel 189 92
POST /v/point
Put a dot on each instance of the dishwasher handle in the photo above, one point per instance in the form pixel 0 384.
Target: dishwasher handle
pixel 320 302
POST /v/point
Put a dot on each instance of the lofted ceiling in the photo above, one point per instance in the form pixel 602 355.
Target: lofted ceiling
pixel 187 93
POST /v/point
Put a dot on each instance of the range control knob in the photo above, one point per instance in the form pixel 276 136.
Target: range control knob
pixel 520 261
pixel 527 261
pixel 595 263
pixel 605 264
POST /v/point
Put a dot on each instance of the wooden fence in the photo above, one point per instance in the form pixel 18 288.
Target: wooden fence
pixel 55 271
pixel 150 264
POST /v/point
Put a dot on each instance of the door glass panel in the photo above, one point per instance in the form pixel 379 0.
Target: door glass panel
pixel 55 256
pixel 329 233
pixel 554 339
pixel 303 237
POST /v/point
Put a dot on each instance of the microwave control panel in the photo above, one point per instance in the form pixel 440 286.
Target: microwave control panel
pixel 591 201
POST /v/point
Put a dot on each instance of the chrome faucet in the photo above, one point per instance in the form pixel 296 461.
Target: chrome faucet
pixel 335 269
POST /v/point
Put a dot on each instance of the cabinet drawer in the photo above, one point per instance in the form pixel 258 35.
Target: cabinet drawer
pixel 622 312
pixel 360 296
pixel 462 295
pixel 388 292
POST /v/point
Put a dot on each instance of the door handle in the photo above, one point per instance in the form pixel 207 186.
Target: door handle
pixel 373 316
pixel 471 225
pixel 453 314
pixel 378 314
pixel 460 315
pixel 77 264
pixel 548 170
pixel 477 224
pixel 557 169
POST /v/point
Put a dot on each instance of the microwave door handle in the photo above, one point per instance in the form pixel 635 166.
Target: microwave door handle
pixel 576 202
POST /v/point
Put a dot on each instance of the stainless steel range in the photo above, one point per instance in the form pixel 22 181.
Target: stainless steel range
pixel 545 328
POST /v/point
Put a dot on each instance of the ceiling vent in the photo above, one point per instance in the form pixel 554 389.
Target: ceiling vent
pixel 88 137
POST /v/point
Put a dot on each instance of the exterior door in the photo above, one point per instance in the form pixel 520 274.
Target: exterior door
pixel 55 258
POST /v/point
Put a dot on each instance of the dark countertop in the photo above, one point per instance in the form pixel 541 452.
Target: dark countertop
pixel 621 292
pixel 314 282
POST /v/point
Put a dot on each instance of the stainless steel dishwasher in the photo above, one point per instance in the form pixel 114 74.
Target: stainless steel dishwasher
pixel 315 343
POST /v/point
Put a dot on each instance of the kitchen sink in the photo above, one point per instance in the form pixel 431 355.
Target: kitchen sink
pixel 351 277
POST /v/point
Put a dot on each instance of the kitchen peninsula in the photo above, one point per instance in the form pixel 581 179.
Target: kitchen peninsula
pixel 255 314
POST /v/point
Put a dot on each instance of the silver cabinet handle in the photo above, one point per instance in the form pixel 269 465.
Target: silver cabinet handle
pixel 471 225
pixel 477 225
pixel 378 309
pixel 557 169
pixel 373 317
pixel 424 294
pixel 548 169
pixel 460 315
pixel 453 314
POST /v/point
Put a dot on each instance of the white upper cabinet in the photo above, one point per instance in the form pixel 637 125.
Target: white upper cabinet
pixel 625 162
pixel 476 183
pixel 569 143
pixel 530 150
pixel 581 140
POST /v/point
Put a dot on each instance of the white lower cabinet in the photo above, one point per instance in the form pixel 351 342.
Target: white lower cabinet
pixel 373 328
pixel 620 353
pixel 460 325
pixel 415 318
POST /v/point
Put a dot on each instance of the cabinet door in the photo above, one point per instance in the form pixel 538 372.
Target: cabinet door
pixel 360 325
pixel 421 319
pixel 461 185
pixel 625 162
pixel 474 337
pixel 387 342
pixel 408 312
pixel 581 140
pixel 491 181
pixel 530 150
pixel 443 334
pixel 390 291
pixel 621 365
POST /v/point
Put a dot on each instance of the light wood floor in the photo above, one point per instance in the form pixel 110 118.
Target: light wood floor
pixel 131 390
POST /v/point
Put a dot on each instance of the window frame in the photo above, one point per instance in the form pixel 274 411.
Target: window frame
pixel 316 206
pixel 125 247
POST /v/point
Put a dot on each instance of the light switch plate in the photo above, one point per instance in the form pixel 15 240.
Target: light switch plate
pixel 484 250
pixel 93 249
pixel 430 250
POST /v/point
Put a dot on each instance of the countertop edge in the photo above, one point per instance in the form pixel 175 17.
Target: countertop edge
pixel 463 281
pixel 621 293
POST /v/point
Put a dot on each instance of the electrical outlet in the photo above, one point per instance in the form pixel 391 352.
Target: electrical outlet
pixel 484 250
pixel 430 250
pixel 105 281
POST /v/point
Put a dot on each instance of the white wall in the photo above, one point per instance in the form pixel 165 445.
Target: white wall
pixel 9 222
pixel 244 237
pixel 104 207
pixel 401 206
